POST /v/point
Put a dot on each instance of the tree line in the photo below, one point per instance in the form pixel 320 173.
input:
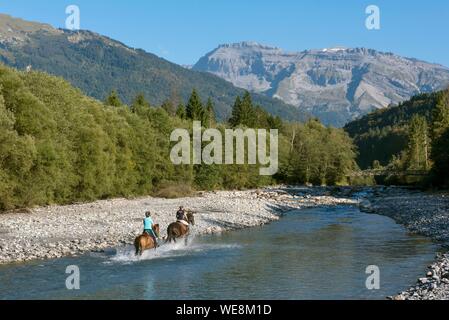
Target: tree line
pixel 383 133
pixel 58 146
pixel 427 147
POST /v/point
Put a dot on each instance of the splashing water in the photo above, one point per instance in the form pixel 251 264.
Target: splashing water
pixel 167 250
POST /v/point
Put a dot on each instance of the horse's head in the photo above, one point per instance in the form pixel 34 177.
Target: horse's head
pixel 156 230
pixel 190 218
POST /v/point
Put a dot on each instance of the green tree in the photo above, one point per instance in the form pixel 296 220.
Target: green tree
pixel 181 112
pixel 312 153
pixel 247 116
pixel 440 156
pixel 417 153
pixel 113 99
pixel 243 112
pixel 234 121
pixel 194 107
pixel 440 119
pixel 209 114
pixel 169 107
pixel 274 122
pixel 440 143
pixel 140 105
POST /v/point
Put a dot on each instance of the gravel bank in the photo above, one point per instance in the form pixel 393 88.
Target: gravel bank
pixel 421 213
pixel 56 231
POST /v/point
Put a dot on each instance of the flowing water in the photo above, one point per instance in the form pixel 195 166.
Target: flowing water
pixel 317 253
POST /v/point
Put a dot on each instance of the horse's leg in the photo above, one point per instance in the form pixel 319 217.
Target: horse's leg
pixel 137 246
pixel 141 247
pixel 169 235
pixel 186 239
pixel 154 244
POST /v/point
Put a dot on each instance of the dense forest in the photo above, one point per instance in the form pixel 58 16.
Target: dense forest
pixel 384 133
pixel 410 136
pixel 59 146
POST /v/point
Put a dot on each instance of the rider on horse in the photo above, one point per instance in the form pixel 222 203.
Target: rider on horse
pixel 181 216
pixel 148 226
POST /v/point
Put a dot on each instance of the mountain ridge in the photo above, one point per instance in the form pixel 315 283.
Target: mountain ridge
pixel 336 84
pixel 97 64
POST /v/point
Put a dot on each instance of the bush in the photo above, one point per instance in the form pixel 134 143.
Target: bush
pixel 173 191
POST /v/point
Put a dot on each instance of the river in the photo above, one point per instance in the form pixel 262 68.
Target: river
pixel 319 253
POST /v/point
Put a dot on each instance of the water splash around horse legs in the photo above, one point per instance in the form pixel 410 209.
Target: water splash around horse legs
pixel 167 250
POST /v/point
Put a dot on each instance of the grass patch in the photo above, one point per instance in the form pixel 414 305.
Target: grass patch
pixel 173 191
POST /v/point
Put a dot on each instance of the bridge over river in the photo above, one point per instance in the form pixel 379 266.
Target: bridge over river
pixel 388 173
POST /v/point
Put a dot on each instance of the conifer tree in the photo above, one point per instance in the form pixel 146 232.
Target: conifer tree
pixel 440 157
pixel 113 99
pixel 243 112
pixel 194 108
pixel 440 120
pixel 247 114
pixel 181 111
pixel 209 114
pixel 418 146
pixel 169 107
pixel 234 121
pixel 440 143
pixel 140 105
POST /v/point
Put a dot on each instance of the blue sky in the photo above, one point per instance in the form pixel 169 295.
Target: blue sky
pixel 184 30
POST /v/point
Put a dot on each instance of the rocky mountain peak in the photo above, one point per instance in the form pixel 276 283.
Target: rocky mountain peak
pixel 336 84
pixel 247 44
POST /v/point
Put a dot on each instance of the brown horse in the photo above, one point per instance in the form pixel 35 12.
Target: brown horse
pixel 145 241
pixel 177 229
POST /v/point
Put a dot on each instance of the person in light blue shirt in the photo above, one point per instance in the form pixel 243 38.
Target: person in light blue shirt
pixel 148 226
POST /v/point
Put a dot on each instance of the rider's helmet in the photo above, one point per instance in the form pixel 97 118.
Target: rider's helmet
pixel 148 214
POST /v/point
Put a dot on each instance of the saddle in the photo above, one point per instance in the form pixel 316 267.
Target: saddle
pixel 183 222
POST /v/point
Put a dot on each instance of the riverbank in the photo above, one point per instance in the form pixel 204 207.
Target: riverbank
pixel 57 231
pixel 421 213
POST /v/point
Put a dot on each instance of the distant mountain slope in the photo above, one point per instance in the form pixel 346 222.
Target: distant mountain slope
pixel 383 133
pixel 97 65
pixel 337 85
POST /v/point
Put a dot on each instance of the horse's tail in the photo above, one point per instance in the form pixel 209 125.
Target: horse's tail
pixel 172 233
pixel 168 239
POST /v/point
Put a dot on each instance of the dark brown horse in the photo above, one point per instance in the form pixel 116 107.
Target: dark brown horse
pixel 178 229
pixel 145 241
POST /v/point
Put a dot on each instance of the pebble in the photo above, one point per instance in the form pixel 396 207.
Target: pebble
pixel 422 213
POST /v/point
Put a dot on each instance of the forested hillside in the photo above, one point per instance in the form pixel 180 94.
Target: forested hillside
pixel 97 65
pixel 60 146
pixel 411 136
pixel 383 134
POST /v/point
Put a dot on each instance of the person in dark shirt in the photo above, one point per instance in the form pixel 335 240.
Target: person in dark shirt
pixel 181 214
